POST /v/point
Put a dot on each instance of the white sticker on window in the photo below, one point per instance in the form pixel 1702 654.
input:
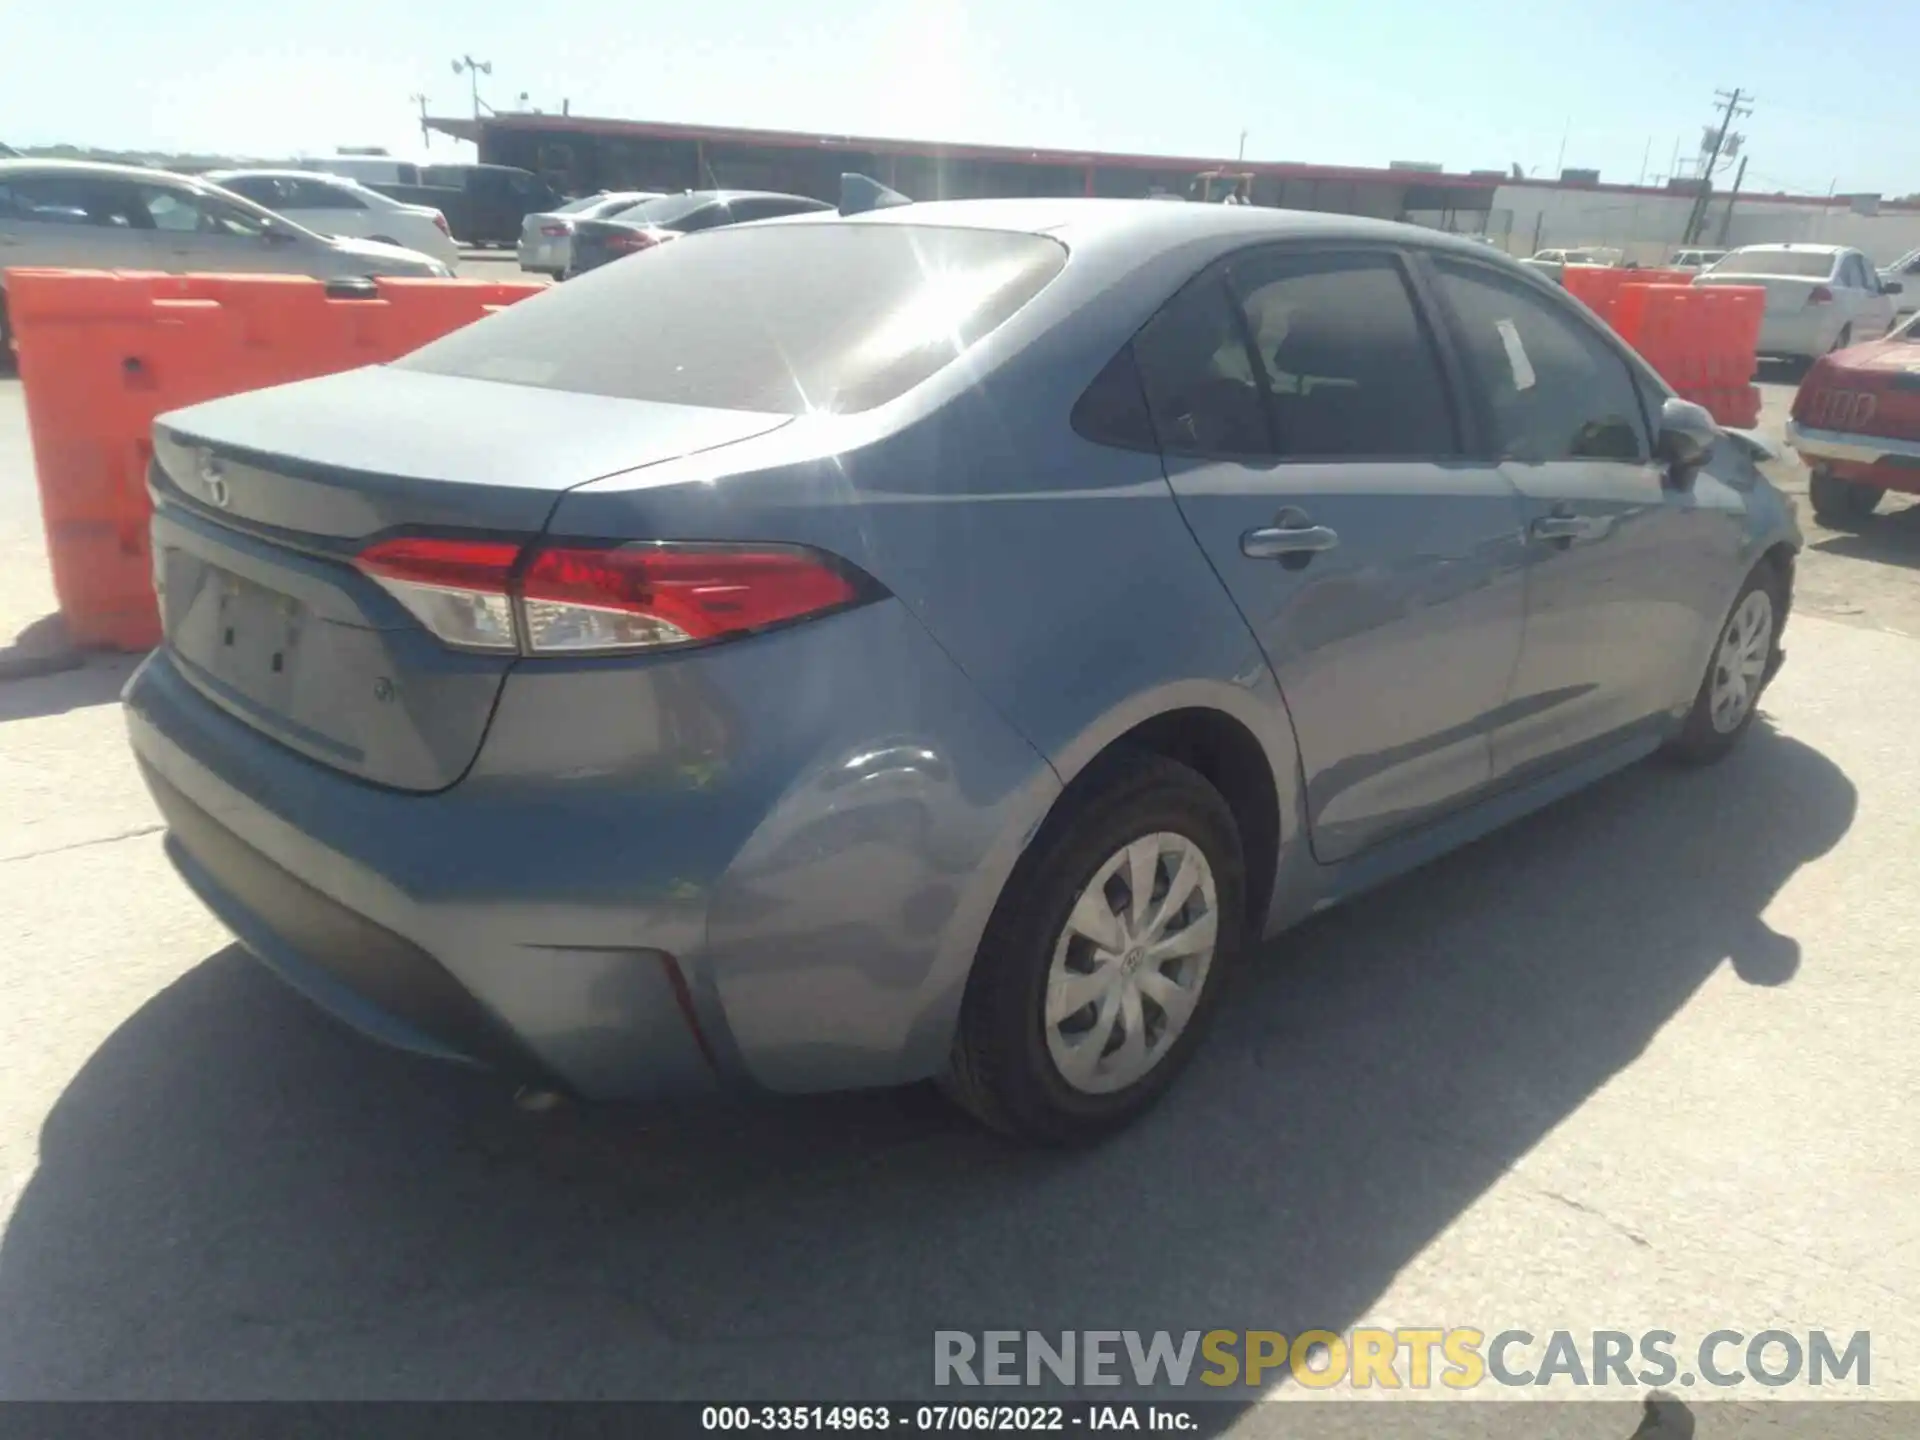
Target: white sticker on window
pixel 1516 355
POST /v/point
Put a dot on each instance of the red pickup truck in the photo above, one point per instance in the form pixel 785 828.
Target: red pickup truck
pixel 1856 422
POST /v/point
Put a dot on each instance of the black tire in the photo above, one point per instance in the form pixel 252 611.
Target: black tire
pixel 1843 339
pixel 1700 741
pixel 1841 504
pixel 6 338
pixel 1001 1069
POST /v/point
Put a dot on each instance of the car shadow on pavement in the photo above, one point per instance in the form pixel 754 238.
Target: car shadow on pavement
pixel 236 1197
pixel 1891 538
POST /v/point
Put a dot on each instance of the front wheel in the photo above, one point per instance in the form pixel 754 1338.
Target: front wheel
pixel 1105 957
pixel 1841 504
pixel 1741 665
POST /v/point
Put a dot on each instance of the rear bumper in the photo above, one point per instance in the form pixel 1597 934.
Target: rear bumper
pixel 544 256
pixel 1804 334
pixel 1874 459
pixel 767 865
pixel 442 975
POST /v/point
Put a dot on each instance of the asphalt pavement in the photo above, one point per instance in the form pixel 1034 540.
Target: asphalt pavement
pixel 1645 1061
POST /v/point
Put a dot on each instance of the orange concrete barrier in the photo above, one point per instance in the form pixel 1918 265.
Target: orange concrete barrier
pixel 102 353
pixel 1596 286
pixel 1701 338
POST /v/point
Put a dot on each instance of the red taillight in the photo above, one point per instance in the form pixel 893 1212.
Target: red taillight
pixel 584 599
pixel 639 596
pixel 441 221
pixel 1820 296
pixel 626 242
pixel 456 588
pixel 556 230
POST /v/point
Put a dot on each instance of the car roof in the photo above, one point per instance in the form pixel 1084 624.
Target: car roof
pixel 266 174
pixel 95 168
pixel 1080 220
pixel 1793 245
pixel 727 197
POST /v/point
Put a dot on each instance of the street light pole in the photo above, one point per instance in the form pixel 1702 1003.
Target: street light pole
pixel 473 69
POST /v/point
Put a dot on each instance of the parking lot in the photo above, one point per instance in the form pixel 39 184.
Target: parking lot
pixel 1641 1062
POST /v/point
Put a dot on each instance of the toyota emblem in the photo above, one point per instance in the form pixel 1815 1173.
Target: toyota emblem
pixel 213 479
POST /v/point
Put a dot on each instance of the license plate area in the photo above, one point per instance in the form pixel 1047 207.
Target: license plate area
pixel 244 635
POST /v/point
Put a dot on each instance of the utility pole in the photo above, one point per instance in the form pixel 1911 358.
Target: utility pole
pixel 1646 156
pixel 1732 108
pixel 426 138
pixel 1243 146
pixel 1726 220
pixel 473 69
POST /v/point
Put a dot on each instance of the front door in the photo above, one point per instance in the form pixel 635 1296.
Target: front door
pixel 192 231
pixel 1312 440
pixel 1621 563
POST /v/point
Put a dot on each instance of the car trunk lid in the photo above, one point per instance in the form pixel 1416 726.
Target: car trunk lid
pixel 1786 294
pixel 262 501
pixel 1871 389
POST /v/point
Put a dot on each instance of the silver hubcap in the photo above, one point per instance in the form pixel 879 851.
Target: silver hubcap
pixel 1131 964
pixel 1740 661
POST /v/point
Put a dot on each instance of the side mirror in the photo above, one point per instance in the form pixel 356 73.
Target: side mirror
pixel 1687 436
pixel 1891 287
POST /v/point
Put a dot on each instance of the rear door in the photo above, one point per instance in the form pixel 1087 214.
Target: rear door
pixel 188 230
pixel 1874 308
pixel 326 208
pixel 1311 437
pixel 1620 567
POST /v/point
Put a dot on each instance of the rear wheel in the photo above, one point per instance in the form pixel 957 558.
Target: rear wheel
pixel 1841 504
pixel 6 337
pixel 1843 339
pixel 1105 957
pixel 1738 670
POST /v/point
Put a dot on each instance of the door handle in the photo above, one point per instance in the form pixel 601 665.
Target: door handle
pixel 1292 539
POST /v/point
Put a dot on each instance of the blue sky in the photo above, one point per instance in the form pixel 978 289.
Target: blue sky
pixel 1470 83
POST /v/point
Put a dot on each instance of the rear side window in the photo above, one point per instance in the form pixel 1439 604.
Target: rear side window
pixel 830 317
pixel 1350 367
pixel 1203 392
pixel 667 211
pixel 1812 264
pixel 50 200
pixel 1554 390
pixel 1113 411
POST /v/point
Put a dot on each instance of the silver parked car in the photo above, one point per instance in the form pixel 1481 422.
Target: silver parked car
pixel 941 649
pixel 78 215
pixel 546 239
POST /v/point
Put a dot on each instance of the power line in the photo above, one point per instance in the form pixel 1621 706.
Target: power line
pixel 1732 108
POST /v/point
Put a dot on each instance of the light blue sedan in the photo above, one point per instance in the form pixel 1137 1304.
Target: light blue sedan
pixel 938 642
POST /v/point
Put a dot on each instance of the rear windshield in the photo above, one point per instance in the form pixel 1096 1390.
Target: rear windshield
pixel 585 202
pixel 1776 262
pixel 783 318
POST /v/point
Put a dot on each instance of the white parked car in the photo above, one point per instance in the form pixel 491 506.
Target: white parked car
pixel 1695 259
pixel 1553 263
pixel 546 239
pixel 336 205
pixel 1820 298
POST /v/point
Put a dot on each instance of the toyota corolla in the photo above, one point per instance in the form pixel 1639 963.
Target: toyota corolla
pixel 931 643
